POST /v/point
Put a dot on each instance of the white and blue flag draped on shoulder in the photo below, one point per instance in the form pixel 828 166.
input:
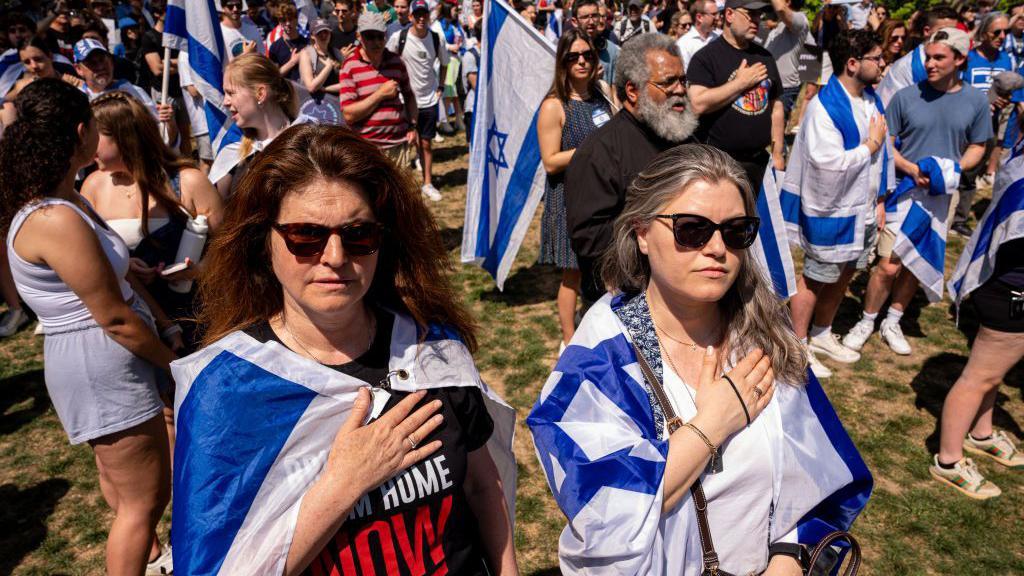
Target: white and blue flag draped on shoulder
pixel 771 249
pixel 255 423
pixel 833 182
pixel 11 69
pixel 1002 222
pixel 905 71
pixel 506 176
pixel 193 26
pixel 917 216
pixel 601 440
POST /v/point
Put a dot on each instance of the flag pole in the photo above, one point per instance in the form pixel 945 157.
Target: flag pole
pixel 163 89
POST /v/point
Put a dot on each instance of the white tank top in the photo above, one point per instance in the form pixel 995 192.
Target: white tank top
pixel 51 299
pixel 130 229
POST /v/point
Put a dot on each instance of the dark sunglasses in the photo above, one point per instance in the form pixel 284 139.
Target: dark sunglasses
pixel 588 55
pixel 693 231
pixel 308 240
pixel 370 36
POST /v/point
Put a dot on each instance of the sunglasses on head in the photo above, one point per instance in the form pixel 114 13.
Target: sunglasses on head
pixel 694 231
pixel 307 240
pixel 588 55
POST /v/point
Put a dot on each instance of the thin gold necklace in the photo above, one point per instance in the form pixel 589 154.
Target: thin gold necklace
pixel 369 343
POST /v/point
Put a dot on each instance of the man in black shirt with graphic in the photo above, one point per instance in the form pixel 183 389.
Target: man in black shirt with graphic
pixel 655 116
pixel 735 88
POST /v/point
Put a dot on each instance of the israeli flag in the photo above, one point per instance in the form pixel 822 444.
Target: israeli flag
pixel 11 69
pixel 904 72
pixel 1002 222
pixel 918 218
pixel 553 29
pixel 506 176
pixel 255 423
pixel 602 441
pixel 771 249
pixel 193 26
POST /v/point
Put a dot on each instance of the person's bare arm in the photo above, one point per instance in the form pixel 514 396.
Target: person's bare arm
pixel 784 12
pixel 486 498
pixel 549 137
pixel 778 136
pixel 972 156
pixel 45 238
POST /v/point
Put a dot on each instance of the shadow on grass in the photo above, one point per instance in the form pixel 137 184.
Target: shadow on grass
pixel 554 571
pixel 533 285
pixel 24 515
pixel 452 238
pixel 454 177
pixel 448 153
pixel 27 386
pixel 932 384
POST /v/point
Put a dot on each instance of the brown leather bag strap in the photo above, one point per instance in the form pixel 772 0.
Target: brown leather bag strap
pixel 852 566
pixel 700 502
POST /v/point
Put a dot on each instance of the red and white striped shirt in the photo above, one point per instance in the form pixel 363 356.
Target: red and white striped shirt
pixel 274 34
pixel 387 124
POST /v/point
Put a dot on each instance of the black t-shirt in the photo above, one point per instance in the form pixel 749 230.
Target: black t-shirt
pixel 281 52
pixel 743 128
pixel 341 39
pixel 152 42
pixel 419 521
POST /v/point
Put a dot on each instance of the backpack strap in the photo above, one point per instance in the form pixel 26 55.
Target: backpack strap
pixel 402 36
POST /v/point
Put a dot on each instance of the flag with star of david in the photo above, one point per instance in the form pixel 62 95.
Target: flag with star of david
pixel 506 176
pixel 602 443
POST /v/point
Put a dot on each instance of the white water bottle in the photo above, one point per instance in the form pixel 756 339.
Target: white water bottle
pixel 193 238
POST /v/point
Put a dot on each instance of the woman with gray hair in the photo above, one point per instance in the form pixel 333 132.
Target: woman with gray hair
pixel 682 411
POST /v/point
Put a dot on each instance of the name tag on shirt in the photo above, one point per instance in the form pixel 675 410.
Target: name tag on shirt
pixel 600 116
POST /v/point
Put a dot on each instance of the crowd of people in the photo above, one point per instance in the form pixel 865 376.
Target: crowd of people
pixel 233 281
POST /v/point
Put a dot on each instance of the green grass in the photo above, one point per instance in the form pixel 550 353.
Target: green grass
pixel 54 520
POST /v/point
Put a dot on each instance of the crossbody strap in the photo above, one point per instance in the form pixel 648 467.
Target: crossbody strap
pixel 700 502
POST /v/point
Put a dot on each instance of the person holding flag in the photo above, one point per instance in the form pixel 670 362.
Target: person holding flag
pixel 989 278
pixel 335 416
pixel 942 124
pixel 680 424
pixel 840 170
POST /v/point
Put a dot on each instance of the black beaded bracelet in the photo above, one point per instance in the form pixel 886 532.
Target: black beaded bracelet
pixel 738 397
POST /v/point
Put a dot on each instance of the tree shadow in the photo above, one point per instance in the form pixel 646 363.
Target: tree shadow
pixel 979 207
pixel 452 238
pixel 24 513
pixel 533 285
pixel 16 390
pixel 449 153
pixel 552 571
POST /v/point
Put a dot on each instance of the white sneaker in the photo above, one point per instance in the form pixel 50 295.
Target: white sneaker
pixel 163 564
pixel 964 476
pixel 828 344
pixel 859 334
pixel 892 335
pixel 12 321
pixel 438 138
pixel 819 369
pixel 430 192
pixel 418 166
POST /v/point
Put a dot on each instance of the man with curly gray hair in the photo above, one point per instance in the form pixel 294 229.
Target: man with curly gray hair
pixel 655 116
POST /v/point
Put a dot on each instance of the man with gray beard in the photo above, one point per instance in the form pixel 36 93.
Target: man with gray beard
pixel 655 116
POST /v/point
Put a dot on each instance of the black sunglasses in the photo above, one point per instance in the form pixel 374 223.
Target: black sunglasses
pixel 588 55
pixel 694 231
pixel 308 240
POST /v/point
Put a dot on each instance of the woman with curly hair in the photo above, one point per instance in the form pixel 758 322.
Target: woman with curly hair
pixel 101 354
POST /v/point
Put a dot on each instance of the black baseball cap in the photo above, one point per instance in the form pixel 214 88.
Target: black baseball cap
pixel 746 4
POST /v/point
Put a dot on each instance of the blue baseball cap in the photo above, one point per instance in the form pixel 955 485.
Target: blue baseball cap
pixel 418 5
pixel 87 46
pixel 127 22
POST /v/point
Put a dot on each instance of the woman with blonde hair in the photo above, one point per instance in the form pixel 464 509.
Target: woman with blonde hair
pixel 680 431
pixel 574 107
pixel 262 104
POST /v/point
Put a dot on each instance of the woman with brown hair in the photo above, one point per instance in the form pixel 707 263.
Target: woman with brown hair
pixel 329 279
pixel 262 104
pixel 147 194
pixel 574 107
pixel 894 39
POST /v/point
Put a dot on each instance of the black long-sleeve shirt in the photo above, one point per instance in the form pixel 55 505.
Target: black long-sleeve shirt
pixel 596 181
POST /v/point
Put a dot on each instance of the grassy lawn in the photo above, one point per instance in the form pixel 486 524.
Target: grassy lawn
pixel 54 520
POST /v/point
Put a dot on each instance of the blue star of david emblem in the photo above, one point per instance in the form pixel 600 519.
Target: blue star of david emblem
pixel 496 146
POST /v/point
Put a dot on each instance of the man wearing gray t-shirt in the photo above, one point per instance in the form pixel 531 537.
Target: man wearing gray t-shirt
pixel 785 43
pixel 941 117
